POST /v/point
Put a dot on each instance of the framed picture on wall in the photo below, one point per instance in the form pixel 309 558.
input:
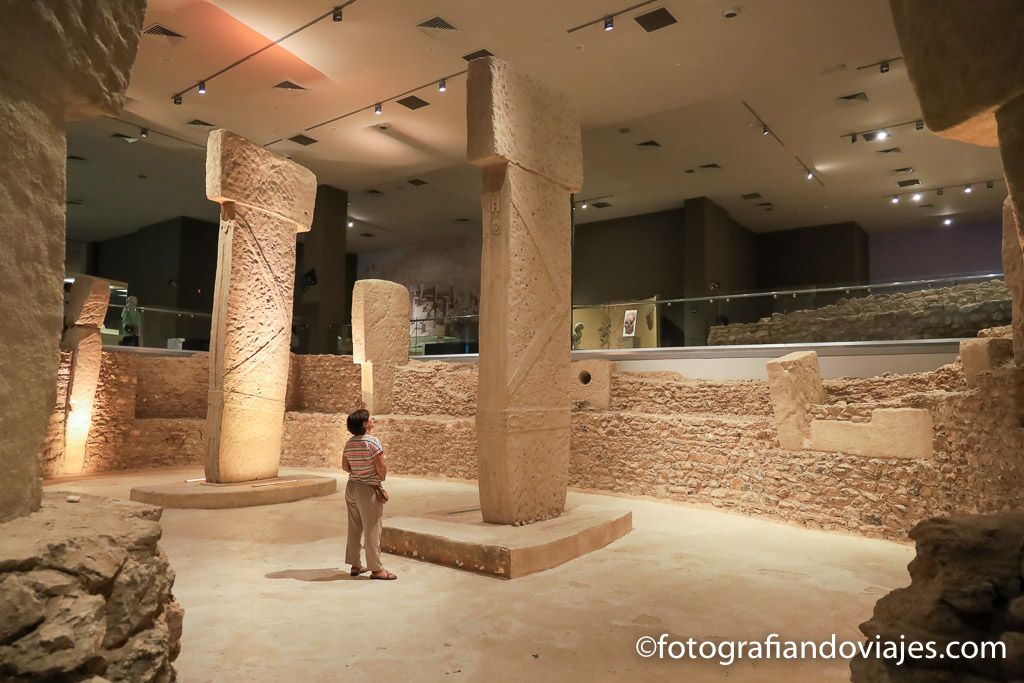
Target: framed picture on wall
pixel 629 323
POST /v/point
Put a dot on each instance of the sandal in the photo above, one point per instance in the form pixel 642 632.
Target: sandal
pixel 385 575
pixel 356 571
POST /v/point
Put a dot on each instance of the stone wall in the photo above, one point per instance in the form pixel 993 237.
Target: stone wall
pixel 324 384
pixel 948 312
pixel 171 386
pixel 85 591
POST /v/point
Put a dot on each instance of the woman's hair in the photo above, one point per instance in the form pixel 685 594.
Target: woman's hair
pixel 357 422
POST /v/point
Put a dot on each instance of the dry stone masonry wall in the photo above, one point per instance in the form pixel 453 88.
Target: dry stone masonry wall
pixel 944 313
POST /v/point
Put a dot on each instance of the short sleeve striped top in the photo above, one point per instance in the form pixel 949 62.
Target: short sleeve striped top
pixel 359 451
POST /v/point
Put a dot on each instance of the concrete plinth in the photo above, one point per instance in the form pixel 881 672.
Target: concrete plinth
pixel 209 496
pixel 461 539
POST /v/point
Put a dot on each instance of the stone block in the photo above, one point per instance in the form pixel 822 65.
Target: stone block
pixel 86 345
pixel 82 50
pixel 1013 267
pixel 516 119
pixel 250 175
pixel 963 60
pixel 891 433
pixel 591 381
pixel 264 200
pixel 795 384
pixel 380 338
pixel 984 355
pixel 213 496
pixel 87 303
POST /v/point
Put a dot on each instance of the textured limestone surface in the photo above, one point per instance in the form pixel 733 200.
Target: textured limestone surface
pixel 1013 268
pixel 795 384
pixel 380 338
pixel 945 312
pixel 435 388
pixel 171 386
pixel 83 52
pixel 86 348
pixel 983 355
pixel 516 119
pixel 86 591
pixel 87 302
pixel 890 433
pixel 1010 118
pixel 590 381
pixel 965 586
pixel 325 384
pixel 264 199
pixel 963 61
pixel 249 175
pixel 670 392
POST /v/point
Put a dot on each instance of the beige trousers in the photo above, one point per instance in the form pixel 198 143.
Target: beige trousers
pixel 365 516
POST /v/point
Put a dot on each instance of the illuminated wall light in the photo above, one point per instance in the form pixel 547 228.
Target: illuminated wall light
pixel 202 87
pixel 336 14
pixel 895 199
pixel 442 86
pixel 916 197
pixel 948 221
pixel 177 99
pixel 609 23
pixel 968 189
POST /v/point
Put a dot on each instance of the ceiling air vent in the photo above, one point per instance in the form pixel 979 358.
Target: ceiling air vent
pixel 908 183
pixel 710 167
pixel 891 150
pixel 462 220
pixel 74 202
pixel 373 191
pixel 435 27
pixel 751 195
pixel 854 98
pixel 75 157
pixel 200 122
pixel 903 171
pixel 418 182
pixel 288 85
pixel 600 205
pixel 764 204
pixel 927 206
pixel 162 32
pixel 477 55
pixel 127 138
pixel 303 140
pixel 412 102
pixel 652 21
pixel 649 143
pixel 366 234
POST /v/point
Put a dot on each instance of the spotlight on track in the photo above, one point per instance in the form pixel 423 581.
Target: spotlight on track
pixel 351 224
pixel 948 221
pixel 609 23
pixel 810 176
pixel 895 199
pixel 968 189
pixel 764 129
pixel 202 87
pixel 916 197
pixel 143 132
pixel 177 99
pixel 919 125
pixel 442 86
pixel 377 109
pixel 884 67
pixel 336 14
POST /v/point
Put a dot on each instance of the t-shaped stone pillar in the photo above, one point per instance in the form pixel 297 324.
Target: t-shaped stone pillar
pixel 380 338
pixel 58 61
pixel 87 307
pixel 526 138
pixel 264 200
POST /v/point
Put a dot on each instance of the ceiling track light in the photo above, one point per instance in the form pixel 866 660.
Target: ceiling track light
pixel 336 14
pixel 919 125
pixel 143 132
pixel 377 109
pixel 884 67
pixel 939 191
pixel 202 87
pixel 764 129
pixel 916 196
pixel 989 184
pixel 177 99
pixel 584 204
pixel 442 85
pixel 351 224
pixel 853 138
pixel 895 199
pixel 810 176
pixel 609 23
pixel 968 189
pixel 948 221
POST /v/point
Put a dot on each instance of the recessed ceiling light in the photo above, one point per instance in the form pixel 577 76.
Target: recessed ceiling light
pixel 895 199
pixel 351 224
pixel 916 196
pixel 948 221
pixel 731 13
pixel 968 189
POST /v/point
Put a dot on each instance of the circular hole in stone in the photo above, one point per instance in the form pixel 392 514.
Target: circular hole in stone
pixel 584 377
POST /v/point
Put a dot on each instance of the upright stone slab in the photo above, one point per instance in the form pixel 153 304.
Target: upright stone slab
pixel 795 383
pixel 1013 269
pixel 58 61
pixel 87 307
pixel 265 200
pixel 380 338
pixel 526 138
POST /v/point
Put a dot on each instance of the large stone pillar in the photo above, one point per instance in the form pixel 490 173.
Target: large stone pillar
pixel 264 200
pixel 964 61
pixel 58 61
pixel 83 318
pixel 526 138
pixel 380 338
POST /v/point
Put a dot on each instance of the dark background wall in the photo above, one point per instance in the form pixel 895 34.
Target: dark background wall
pixel 820 255
pixel 933 252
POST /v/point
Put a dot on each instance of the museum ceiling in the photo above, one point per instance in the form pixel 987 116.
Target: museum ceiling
pixel 683 89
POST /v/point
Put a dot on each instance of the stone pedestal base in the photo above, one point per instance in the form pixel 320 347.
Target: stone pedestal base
pixel 206 496
pixel 461 539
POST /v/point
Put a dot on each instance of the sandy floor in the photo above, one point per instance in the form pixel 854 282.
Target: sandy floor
pixel 264 600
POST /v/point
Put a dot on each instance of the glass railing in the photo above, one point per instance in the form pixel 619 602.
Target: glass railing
pixel 444 335
pixel 936 308
pixel 161 328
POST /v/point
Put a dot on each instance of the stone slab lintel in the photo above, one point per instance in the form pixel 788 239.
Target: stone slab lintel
pixel 244 173
pixel 892 433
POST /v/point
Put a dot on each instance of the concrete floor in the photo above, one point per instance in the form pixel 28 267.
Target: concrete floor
pixel 264 600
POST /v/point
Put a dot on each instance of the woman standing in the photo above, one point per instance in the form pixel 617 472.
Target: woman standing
pixel 363 459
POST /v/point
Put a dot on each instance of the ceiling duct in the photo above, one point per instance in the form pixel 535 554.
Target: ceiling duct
pixel 417 182
pixel 303 140
pixel 654 20
pixel 167 35
pixel 854 98
pixel 477 55
pixel 412 102
pixel 289 85
pixel 751 195
pixel 200 123
pixel 908 183
pixel 436 27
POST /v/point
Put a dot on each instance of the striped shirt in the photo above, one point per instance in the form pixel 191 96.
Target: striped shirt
pixel 359 451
